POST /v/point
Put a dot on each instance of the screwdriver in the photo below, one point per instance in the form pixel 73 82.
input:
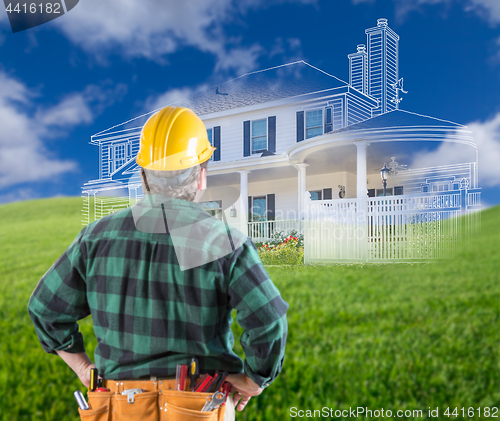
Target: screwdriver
pixel 94 375
pixel 194 371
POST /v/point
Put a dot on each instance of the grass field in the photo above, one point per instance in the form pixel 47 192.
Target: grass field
pixel 394 336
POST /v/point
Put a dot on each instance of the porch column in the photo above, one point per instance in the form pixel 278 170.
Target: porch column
pixel 361 169
pixel 361 195
pixel 244 201
pixel 302 187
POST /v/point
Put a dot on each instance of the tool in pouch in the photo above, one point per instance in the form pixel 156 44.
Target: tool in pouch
pixel 95 381
pixel 130 394
pixel 81 400
pixel 214 401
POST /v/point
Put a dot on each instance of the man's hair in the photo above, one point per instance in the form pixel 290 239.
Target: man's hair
pixel 162 182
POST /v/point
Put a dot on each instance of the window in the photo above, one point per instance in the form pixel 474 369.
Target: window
pixel 398 190
pixel 316 195
pixel 210 139
pixel 120 151
pixel 214 208
pixel 259 208
pixel 259 135
pixel 119 155
pixel 388 191
pixel 314 123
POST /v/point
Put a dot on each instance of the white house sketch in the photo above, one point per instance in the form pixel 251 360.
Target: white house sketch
pixel 298 148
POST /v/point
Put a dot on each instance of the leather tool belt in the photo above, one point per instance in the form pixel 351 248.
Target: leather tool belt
pixel 158 402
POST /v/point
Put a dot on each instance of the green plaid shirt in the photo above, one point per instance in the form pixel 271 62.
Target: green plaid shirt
pixel 148 314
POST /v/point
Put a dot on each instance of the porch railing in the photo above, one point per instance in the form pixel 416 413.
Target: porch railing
pixel 392 228
pixel 260 231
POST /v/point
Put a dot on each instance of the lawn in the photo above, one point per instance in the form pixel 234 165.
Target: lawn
pixel 394 336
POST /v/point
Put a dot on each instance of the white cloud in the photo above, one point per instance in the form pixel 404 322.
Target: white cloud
pixel 71 110
pixel 242 60
pixel 487 137
pixel 153 28
pixel 155 102
pixel 19 195
pixel 23 156
pixel 81 107
pixel 290 49
pixel 488 9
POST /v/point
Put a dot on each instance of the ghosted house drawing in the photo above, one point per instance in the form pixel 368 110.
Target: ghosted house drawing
pixel 298 148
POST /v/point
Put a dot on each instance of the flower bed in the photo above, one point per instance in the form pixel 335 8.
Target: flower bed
pixel 288 252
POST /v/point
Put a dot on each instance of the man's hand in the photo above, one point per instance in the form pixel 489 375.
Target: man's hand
pixel 244 387
pixel 84 374
pixel 80 364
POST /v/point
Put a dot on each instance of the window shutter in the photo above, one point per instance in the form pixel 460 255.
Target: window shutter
pixel 271 134
pixel 110 153
pixel 216 140
pixel 300 126
pixel 250 208
pixel 327 194
pixel 328 120
pixel 246 138
pixel 270 207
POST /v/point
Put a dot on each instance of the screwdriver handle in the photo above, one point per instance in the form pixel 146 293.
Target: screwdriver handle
pixel 94 375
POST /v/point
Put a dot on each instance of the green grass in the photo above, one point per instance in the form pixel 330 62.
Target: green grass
pixel 394 336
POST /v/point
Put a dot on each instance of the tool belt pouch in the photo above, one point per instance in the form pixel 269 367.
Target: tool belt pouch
pixel 109 406
pixel 186 406
pixel 100 407
pixel 163 404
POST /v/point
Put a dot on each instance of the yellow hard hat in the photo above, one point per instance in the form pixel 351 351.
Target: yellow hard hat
pixel 173 138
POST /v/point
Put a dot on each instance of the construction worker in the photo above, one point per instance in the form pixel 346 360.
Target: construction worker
pixel 160 280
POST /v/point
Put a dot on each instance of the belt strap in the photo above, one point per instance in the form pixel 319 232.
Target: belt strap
pixel 118 386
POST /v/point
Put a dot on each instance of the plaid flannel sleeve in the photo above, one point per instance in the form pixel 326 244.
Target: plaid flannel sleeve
pixel 261 312
pixel 59 300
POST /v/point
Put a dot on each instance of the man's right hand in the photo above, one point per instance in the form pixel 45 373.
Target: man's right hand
pixel 244 387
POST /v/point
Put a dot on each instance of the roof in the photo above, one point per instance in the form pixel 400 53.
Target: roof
pixel 285 81
pixel 400 119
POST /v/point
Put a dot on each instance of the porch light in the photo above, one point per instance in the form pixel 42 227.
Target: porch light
pixel 232 212
pixel 384 173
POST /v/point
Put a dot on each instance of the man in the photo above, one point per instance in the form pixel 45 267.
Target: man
pixel 161 278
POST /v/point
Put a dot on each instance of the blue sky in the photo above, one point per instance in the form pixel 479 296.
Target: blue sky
pixel 106 62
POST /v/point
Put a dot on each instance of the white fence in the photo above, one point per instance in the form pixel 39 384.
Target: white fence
pixel 392 228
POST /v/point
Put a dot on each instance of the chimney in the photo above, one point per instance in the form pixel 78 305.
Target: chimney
pixel 358 69
pixel 383 67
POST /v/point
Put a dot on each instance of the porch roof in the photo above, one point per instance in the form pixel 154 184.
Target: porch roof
pixel 399 119
pixel 395 126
